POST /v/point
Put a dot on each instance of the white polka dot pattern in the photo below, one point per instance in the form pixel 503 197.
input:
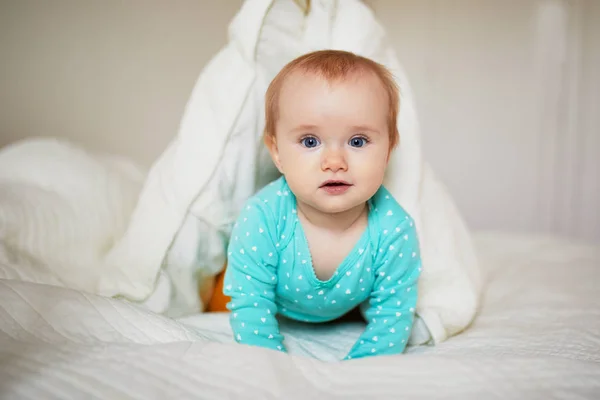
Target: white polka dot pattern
pixel 270 273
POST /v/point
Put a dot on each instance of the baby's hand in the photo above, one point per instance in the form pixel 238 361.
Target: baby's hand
pixel 392 303
pixel 250 280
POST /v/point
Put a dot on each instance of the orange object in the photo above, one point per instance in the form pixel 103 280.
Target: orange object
pixel 218 301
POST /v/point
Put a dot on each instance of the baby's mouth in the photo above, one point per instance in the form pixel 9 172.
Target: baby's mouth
pixel 335 187
pixel 334 183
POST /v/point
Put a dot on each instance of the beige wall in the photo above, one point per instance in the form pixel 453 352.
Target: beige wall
pixel 508 94
pixel 111 74
pixel 507 90
pixel 588 171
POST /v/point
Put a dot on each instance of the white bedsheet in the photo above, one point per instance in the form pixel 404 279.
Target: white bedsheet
pixel 538 336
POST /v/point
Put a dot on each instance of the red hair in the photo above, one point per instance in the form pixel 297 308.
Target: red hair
pixel 332 65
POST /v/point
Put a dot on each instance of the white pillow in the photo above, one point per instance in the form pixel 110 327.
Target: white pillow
pixel 61 209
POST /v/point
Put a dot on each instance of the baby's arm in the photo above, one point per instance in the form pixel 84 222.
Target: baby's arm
pixel 250 279
pixel 391 307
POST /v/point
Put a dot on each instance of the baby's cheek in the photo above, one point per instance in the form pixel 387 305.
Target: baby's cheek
pixel 371 177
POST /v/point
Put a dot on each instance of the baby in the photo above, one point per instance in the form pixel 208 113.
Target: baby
pixel 326 237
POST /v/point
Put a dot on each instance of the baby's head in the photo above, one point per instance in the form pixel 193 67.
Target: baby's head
pixel 331 126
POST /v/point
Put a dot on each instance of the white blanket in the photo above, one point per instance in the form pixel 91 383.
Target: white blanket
pixel 537 337
pixel 81 223
pixel 61 207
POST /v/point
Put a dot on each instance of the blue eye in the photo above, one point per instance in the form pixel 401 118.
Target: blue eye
pixel 310 142
pixel 358 141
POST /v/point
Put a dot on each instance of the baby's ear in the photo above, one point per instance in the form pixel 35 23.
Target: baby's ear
pixel 271 143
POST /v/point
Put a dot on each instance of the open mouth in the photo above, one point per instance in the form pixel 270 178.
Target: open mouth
pixel 334 187
pixel 333 184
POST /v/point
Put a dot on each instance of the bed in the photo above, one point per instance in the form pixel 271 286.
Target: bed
pixel 101 261
pixel 537 335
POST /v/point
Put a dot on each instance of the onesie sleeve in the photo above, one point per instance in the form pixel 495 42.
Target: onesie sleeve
pixel 251 278
pixel 391 305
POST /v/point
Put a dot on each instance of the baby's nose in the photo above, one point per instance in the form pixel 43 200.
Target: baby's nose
pixel 334 160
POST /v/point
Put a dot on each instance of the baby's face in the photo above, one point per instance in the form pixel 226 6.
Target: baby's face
pixel 332 141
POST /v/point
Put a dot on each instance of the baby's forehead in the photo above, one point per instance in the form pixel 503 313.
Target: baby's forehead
pixel 312 100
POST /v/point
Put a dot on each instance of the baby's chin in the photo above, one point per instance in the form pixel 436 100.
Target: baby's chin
pixel 337 207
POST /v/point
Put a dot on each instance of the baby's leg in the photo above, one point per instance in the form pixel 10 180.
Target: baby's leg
pixel 420 334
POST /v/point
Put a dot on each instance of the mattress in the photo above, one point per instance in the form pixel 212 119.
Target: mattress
pixel 537 335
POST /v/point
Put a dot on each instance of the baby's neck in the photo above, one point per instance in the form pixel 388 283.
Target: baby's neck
pixel 338 222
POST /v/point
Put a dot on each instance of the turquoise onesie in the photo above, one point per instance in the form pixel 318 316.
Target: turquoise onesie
pixel 270 273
